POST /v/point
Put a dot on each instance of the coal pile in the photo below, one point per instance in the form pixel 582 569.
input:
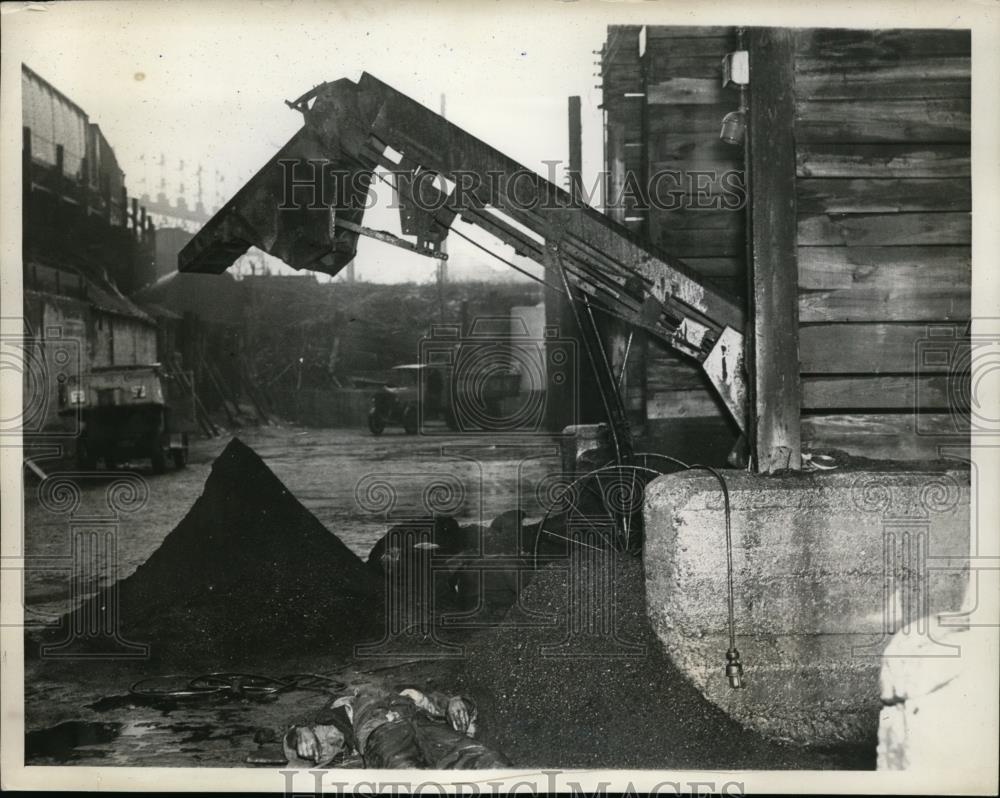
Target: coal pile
pixel 248 575
pixel 464 568
pixel 607 699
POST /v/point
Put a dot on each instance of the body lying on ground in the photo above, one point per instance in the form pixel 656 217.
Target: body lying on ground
pixel 391 730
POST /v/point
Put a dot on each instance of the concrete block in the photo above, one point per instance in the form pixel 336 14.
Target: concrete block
pixel 827 566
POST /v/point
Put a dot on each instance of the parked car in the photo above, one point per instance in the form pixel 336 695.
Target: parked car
pixel 397 402
pixel 419 392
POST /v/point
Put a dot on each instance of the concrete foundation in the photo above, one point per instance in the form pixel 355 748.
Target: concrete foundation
pixel 827 566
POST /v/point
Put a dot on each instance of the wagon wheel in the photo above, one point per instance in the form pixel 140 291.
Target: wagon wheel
pixel 603 507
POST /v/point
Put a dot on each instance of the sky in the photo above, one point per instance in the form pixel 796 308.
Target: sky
pixel 205 84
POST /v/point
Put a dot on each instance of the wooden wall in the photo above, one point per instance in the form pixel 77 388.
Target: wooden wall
pixel 884 234
pixel 670 127
pixel 883 195
pixel 625 142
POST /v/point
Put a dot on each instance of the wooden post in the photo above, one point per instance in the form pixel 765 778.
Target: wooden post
pixel 560 399
pixel 575 148
pixel 773 351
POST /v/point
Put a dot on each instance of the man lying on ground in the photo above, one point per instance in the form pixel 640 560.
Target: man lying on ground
pixel 391 730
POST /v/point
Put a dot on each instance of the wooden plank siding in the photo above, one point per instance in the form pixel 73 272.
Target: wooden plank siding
pixel 908 161
pixel 623 83
pixel 877 348
pixel 882 123
pixel 698 212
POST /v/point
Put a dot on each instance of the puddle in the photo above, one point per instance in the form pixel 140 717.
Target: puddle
pixel 64 741
pixel 111 702
pixel 73 741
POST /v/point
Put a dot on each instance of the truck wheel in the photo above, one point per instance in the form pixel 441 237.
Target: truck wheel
pixel 158 458
pixel 376 423
pixel 85 459
pixel 410 423
pixel 180 455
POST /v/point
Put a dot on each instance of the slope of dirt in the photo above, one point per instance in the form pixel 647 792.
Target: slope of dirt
pixel 614 700
pixel 249 575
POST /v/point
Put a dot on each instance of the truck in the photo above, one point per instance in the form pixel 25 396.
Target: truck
pixel 129 412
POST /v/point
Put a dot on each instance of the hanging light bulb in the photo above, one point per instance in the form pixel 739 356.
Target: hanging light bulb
pixel 734 127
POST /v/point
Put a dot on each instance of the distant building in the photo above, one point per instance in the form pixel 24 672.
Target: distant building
pixel 85 244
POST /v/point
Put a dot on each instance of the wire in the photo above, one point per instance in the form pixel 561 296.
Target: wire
pixel 731 599
pixel 502 259
pixel 487 250
pixel 731 593
pixel 235 684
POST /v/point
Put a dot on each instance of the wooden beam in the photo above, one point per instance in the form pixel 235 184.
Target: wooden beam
pixel 907 269
pixel 888 43
pixel 890 121
pixel 885 229
pixel 877 348
pixel 940 392
pixel 773 356
pixel 884 284
pixel 887 436
pixel 884 195
pixel 883 160
pixel 865 78
pixel 686 91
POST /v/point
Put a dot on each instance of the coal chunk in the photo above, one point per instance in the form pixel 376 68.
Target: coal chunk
pixel 593 688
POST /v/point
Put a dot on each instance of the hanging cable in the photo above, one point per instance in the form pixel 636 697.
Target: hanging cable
pixel 734 665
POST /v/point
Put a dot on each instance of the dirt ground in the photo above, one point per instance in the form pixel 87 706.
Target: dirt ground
pixel 541 713
pixel 356 485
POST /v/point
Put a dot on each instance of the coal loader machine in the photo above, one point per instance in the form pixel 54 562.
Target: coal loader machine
pixel 306 206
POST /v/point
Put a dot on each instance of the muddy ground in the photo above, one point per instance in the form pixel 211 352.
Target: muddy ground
pixel 355 484
pixel 579 714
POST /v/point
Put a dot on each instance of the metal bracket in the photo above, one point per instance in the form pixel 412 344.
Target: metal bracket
pixel 725 368
pixel 429 226
pixel 388 238
pixel 736 68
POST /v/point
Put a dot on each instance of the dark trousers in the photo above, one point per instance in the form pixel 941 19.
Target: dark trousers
pixel 420 742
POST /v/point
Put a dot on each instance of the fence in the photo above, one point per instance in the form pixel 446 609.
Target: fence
pixel 323 407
